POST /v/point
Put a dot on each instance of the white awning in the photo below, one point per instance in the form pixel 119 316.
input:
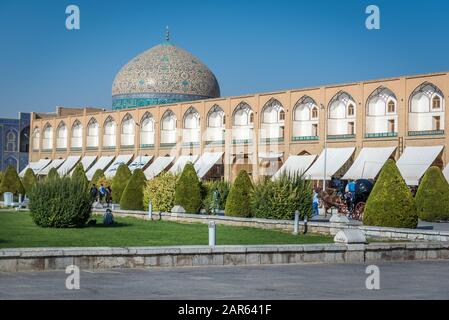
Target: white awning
pixel 68 165
pixel 446 172
pixel 121 159
pixel 102 164
pixel 369 162
pixel 54 164
pixel 295 165
pixel 159 165
pixel 335 159
pixel 36 166
pixel 140 162
pixel 415 161
pixel 181 163
pixel 87 162
pixel 206 162
pixel 270 155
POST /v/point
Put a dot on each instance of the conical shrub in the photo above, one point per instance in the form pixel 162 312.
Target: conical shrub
pixel 98 175
pixel 132 198
pixel 390 203
pixel 120 181
pixel 79 174
pixel 188 190
pixel 29 180
pixel 53 174
pixel 11 182
pixel 432 197
pixel 238 203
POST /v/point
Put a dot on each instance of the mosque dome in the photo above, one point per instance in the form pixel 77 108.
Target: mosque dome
pixel 161 75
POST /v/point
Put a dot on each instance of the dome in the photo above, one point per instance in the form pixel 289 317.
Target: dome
pixel 163 74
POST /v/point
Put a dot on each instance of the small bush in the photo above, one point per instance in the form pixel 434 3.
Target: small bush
pixel 432 197
pixel 60 203
pixel 53 174
pixel 11 182
pixel 161 192
pixel 279 199
pixel 29 180
pixel 79 174
pixel 390 203
pixel 99 174
pixel 120 181
pixel 239 198
pixel 188 190
pixel 209 187
pixel 132 198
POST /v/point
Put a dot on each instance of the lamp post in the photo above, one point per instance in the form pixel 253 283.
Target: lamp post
pixel 325 146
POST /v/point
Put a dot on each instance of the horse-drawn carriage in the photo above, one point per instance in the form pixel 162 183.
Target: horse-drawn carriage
pixel 350 204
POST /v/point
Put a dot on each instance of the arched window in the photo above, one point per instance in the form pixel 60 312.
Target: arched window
pixel 381 116
pixel 436 103
pixel 61 136
pixel 216 117
pixel 342 112
pixel 36 139
pixel 314 113
pixel 243 121
pixel 272 126
pixel 47 141
pixel 25 139
pixel 191 119
pixel 77 135
pixel 128 130
pixel 391 107
pixel 168 128
pixel 11 141
pixel 147 130
pixel 109 138
pixel 305 119
pixel 92 138
pixel 350 110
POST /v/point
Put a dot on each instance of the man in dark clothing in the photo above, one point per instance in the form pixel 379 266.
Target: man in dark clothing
pixel 94 192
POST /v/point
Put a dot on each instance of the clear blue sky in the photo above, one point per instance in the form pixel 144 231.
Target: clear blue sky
pixel 251 46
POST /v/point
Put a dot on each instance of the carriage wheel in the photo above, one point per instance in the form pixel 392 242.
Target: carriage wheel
pixel 358 211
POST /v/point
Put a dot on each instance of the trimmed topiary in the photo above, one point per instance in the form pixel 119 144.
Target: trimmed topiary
pixel 53 174
pixel 390 203
pixel 11 182
pixel 132 198
pixel 79 173
pixel 60 203
pixel 29 180
pixel 161 192
pixel 99 174
pixel 188 190
pixel 432 197
pixel 239 198
pixel 120 181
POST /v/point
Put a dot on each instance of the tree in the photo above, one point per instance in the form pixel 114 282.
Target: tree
pixel 78 173
pixel 1 176
pixel 11 182
pixel 188 190
pixel 53 174
pixel 239 198
pixel 390 203
pixel 132 198
pixel 120 181
pixel 98 175
pixel 29 180
pixel 432 197
pixel 161 192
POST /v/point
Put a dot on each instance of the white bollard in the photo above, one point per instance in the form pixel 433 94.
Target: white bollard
pixel 212 233
pixel 150 211
pixel 296 224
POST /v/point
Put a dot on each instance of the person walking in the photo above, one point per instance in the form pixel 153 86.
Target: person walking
pixel 108 195
pixel 102 192
pixel 94 193
pixel 315 203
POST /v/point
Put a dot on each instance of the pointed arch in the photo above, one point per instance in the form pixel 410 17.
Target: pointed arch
pixel 92 133
pixel 342 112
pixel 36 138
pixel 61 136
pixel 147 130
pixel 216 117
pixel 11 140
pixel 243 115
pixel 127 130
pixel 305 119
pixel 47 139
pixel 77 135
pixel 191 119
pixel 110 133
pixel 381 113
pixel 168 127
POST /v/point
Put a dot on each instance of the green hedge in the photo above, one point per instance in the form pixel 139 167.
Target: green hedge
pixel 60 203
pixel 432 197
pixel 11 182
pixel 132 198
pixel 390 203
pixel 98 175
pixel 161 192
pixel 29 180
pixel 119 182
pixel 239 198
pixel 279 199
pixel 188 190
pixel 209 187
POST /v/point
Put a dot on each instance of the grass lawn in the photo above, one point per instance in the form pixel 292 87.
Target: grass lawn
pixel 17 230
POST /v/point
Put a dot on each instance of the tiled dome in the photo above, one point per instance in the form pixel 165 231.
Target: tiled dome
pixel 160 75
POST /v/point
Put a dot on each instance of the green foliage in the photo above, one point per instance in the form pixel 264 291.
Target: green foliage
pixel 79 174
pixel 11 182
pixel 188 190
pixel 132 198
pixel 53 174
pixel 1 177
pixel 99 174
pixel 161 192
pixel 29 180
pixel 60 203
pixel 239 198
pixel 209 187
pixel 390 203
pixel 279 199
pixel 120 181
pixel 432 197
